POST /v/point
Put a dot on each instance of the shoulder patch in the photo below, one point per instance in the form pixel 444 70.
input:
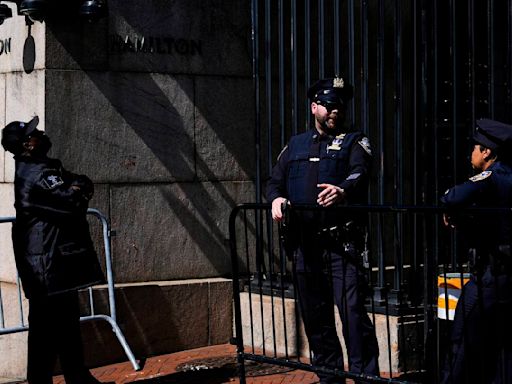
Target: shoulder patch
pixel 52 181
pixel 365 143
pixel 481 176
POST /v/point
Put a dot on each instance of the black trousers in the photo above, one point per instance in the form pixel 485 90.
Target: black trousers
pixel 481 340
pixel 325 278
pixel 54 332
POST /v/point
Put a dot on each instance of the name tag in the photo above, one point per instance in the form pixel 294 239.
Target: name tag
pixel 314 159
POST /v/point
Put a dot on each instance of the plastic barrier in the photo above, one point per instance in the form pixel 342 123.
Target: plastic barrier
pixel 450 287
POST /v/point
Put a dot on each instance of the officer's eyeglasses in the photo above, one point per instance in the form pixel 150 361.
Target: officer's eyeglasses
pixel 330 106
pixel 37 133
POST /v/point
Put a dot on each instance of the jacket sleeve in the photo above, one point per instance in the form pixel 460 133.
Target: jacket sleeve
pixel 359 166
pixel 465 194
pixel 276 186
pixel 52 194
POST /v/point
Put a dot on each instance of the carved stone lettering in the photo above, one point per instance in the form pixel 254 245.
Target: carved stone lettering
pixel 155 45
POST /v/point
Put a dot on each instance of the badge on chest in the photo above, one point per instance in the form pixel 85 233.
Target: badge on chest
pixel 336 143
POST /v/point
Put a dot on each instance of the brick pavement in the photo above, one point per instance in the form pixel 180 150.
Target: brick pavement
pixel 175 368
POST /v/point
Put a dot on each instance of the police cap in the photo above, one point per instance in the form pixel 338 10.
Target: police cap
pixel 16 132
pixel 331 90
pixel 493 134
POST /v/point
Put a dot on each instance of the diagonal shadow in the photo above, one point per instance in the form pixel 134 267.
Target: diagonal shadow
pixel 150 113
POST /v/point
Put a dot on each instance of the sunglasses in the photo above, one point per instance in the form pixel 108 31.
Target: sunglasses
pixel 37 133
pixel 329 105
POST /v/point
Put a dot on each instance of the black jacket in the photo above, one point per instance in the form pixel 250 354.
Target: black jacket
pixel 492 188
pixel 52 244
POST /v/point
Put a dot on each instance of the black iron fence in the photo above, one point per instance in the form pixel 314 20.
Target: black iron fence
pixel 423 72
pixel 415 267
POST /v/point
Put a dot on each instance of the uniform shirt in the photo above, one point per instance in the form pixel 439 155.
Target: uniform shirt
pixel 492 189
pixel 310 159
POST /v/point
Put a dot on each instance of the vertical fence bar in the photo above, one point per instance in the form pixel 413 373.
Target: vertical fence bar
pixel 307 56
pixel 490 55
pixel 268 79
pixel 282 102
pixel 272 275
pixel 437 226
pixel 236 293
pixel 453 57
pixel 398 144
pixel 256 90
pixel 471 60
pixel 508 72
pixel 381 113
pixel 337 38
pixel 364 67
pixel 352 54
pixel 294 74
pixel 321 39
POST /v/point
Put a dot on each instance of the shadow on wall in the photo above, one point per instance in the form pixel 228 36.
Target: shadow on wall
pixel 148 335
pixel 216 144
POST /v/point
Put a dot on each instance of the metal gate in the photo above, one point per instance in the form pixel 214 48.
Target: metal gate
pixel 412 324
pixel 423 72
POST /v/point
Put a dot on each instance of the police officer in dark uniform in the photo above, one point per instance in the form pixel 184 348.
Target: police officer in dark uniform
pixel 327 166
pixel 481 342
pixel 54 253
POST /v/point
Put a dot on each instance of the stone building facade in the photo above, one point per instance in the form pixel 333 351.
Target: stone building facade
pixel 154 102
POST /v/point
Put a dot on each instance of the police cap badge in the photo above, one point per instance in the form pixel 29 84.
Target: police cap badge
pixel 331 90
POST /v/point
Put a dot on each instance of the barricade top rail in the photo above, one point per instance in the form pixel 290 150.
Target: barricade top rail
pixel 378 208
pixel 111 317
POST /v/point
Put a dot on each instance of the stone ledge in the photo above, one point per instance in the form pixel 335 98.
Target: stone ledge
pixel 160 317
pixel 270 330
pixel 156 318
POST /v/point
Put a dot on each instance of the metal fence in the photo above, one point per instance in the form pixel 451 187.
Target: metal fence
pixel 109 317
pixel 423 72
pixel 412 297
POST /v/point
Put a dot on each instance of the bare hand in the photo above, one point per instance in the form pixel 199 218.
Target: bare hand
pixel 277 214
pixel 447 220
pixel 330 195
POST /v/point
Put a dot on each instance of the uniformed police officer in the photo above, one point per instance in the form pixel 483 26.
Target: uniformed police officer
pixel 481 343
pixel 54 253
pixel 326 166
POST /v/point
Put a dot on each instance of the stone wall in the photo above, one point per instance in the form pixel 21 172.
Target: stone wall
pixel 155 104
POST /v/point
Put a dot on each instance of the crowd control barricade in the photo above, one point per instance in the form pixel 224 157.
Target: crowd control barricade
pixel 109 317
pixel 414 262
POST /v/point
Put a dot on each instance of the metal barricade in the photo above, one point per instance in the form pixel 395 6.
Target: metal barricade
pixel 110 317
pixel 415 271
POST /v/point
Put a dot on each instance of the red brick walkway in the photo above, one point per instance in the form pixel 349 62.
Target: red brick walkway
pixel 163 370
pixel 208 365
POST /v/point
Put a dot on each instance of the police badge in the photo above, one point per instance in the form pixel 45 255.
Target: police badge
pixel 338 82
pixel 52 181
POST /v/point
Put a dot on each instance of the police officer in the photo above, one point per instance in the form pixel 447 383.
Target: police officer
pixel 54 253
pixel 328 166
pixel 481 342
